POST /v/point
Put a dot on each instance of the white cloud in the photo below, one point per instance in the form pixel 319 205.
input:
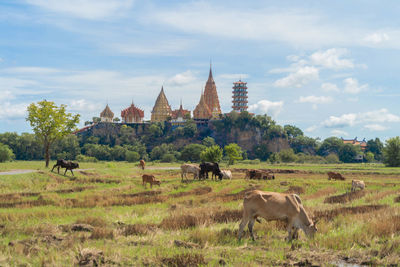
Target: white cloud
pixel 83 105
pixel 375 127
pixel 10 111
pixel 329 87
pixel 311 128
pixel 30 70
pixel 377 37
pixel 182 78
pixel 301 77
pixel 331 59
pixel 337 132
pixel 267 107
pixel 85 9
pixel 351 86
pixel 315 99
pixel 351 119
pixel 139 47
pixel 6 95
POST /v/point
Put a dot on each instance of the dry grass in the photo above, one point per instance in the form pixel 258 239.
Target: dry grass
pixel 183 260
pixel 93 221
pixel 197 191
pixel 332 213
pixel 397 199
pixel 295 190
pixel 138 229
pixel 102 233
pixel 321 193
pixel 235 196
pixel 346 197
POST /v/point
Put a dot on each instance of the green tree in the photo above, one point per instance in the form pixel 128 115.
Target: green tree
pixel 66 148
pixel 212 154
pixel 6 153
pixel 50 123
pixel 168 158
pixel 332 158
pixel 287 155
pixel 262 152
pixel 369 156
pixel 192 152
pixel 376 147
pixel 159 151
pixel 330 145
pixel 190 128
pixel 116 119
pixel 132 156
pixel 233 152
pixel 292 131
pixel 391 152
pixel 348 152
pixel 208 141
pixel 303 144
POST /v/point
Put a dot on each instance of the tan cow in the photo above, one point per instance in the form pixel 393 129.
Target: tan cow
pixel 142 164
pixel 335 176
pixel 150 179
pixel 276 206
pixel 357 183
pixel 190 168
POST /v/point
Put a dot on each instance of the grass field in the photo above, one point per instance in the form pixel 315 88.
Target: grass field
pixel 105 216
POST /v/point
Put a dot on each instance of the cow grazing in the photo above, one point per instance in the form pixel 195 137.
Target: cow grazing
pixel 226 174
pixel 206 167
pixel 68 165
pixel 335 176
pixel 190 168
pixel 259 174
pixel 357 183
pixel 142 164
pixel 276 206
pixel 150 179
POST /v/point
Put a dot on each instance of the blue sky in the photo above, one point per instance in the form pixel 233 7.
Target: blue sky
pixel 328 67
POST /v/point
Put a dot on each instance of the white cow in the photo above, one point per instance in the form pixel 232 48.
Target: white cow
pixel 190 168
pixel 226 174
pixel 357 183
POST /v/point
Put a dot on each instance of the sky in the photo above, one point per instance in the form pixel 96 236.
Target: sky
pixel 328 67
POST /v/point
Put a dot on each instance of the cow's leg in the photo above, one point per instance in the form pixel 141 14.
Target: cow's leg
pixel 72 172
pixel 58 169
pixel 54 167
pixel 251 224
pixel 66 169
pixel 295 233
pixel 242 225
pixel 290 230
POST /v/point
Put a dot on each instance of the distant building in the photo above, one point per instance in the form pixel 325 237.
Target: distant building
pixel 161 110
pixel 211 96
pixel 239 96
pixel 362 144
pixel 106 115
pixel 132 114
pixel 202 111
pixel 179 116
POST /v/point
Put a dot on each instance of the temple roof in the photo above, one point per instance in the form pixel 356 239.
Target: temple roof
pixel 161 104
pixel 211 95
pixel 132 110
pixel 202 111
pixel 180 112
pixel 107 113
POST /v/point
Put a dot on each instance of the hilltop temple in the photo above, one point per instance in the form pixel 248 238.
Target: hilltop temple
pixel 161 110
pixel 106 115
pixel 132 114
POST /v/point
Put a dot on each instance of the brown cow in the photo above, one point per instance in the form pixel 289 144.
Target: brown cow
pixel 142 164
pixel 276 206
pixel 335 176
pixel 150 179
pixel 259 174
pixel 357 183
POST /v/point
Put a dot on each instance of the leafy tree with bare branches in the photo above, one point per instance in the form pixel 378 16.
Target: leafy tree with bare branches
pixel 50 123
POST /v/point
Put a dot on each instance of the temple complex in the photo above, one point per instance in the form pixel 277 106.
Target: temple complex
pixel 180 114
pixel 106 115
pixel 211 96
pixel 132 114
pixel 202 111
pixel 161 110
pixel 355 142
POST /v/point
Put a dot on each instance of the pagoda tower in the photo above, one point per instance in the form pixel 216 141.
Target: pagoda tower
pixel 106 115
pixel 239 96
pixel 202 111
pixel 211 96
pixel 161 110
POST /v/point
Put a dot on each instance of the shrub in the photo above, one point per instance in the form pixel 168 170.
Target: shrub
pixel 287 155
pixel 212 154
pixel 234 152
pixel 332 158
pixel 6 154
pixel 83 158
pixel 192 152
pixel 132 156
pixel 168 158
pixel 249 161
pixel 369 156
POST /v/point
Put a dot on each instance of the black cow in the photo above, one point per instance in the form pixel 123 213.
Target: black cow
pixel 68 165
pixel 206 167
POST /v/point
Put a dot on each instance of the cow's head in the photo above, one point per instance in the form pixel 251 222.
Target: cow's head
pixel 75 165
pixel 311 229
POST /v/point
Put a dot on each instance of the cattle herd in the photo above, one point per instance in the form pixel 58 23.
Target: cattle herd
pixel 256 203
